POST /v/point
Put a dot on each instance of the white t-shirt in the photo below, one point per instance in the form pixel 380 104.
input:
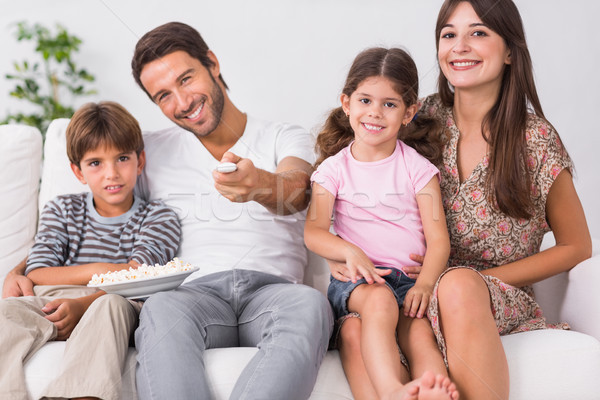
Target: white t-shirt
pixel 217 234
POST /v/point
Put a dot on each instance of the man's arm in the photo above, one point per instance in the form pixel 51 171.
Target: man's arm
pixel 284 192
pixel 16 284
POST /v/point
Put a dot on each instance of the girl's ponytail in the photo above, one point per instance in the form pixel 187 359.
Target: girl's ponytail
pixel 335 135
pixel 424 134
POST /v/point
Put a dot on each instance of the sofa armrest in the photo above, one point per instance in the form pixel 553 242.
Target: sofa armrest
pixel 581 304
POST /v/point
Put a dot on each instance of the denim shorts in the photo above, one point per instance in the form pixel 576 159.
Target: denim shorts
pixel 338 292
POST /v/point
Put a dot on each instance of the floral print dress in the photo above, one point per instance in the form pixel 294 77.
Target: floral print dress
pixel 481 236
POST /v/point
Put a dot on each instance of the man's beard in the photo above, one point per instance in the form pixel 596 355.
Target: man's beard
pixel 216 109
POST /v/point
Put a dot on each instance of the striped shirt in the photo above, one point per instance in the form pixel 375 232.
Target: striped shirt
pixel 71 232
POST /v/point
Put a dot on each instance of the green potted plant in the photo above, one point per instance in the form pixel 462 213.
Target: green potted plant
pixel 44 81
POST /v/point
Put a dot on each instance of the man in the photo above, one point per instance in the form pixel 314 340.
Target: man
pixel 241 228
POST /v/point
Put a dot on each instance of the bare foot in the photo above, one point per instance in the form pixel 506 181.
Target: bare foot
pixel 436 387
pixel 409 391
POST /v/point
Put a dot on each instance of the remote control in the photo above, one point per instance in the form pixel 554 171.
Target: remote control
pixel 226 167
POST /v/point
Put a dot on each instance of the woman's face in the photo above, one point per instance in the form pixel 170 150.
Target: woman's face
pixel 471 55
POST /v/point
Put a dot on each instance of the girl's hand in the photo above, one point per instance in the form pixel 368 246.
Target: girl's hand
pixel 65 314
pixel 413 271
pixel 416 301
pixel 360 266
pixel 340 271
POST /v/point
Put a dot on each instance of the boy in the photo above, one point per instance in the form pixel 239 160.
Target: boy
pixel 79 235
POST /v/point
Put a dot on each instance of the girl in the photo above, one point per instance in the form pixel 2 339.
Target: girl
pixel 387 204
pixel 506 180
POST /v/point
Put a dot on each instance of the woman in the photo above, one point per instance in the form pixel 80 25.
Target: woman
pixel 506 181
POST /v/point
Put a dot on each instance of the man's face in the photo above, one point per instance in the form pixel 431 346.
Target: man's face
pixel 186 91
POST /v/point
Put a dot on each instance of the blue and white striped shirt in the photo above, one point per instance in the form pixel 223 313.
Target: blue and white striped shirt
pixel 71 232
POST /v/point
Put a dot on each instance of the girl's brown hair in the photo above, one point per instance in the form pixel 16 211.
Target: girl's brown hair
pixel 423 133
pixel 102 124
pixel 505 124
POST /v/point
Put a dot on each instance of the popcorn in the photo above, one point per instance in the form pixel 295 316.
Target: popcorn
pixel 142 272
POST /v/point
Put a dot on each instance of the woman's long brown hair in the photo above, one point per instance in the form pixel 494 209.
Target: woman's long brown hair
pixel 505 124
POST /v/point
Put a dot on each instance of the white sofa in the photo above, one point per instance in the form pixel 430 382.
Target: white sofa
pixel 543 364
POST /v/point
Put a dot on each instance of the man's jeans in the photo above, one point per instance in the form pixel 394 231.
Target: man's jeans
pixel 289 323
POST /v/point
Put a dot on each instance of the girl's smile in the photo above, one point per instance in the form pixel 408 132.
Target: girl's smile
pixel 376 112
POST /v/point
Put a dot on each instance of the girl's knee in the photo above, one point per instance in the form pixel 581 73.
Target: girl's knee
pixel 374 297
pixel 350 333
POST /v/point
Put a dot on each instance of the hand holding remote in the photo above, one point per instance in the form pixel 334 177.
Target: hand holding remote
pixel 226 167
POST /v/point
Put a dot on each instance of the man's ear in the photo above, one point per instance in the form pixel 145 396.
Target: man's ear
pixel 78 174
pixel 215 69
pixel 141 161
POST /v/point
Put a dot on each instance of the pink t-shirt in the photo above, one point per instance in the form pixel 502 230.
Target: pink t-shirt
pixel 375 202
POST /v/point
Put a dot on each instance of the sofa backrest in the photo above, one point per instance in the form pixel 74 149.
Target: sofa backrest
pixel 20 167
pixel 57 179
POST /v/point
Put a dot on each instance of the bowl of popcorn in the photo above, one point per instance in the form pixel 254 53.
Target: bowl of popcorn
pixel 141 282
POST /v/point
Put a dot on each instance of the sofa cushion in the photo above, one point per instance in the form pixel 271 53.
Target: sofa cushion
pixel 20 166
pixel 552 364
pixel 57 177
pixel 546 364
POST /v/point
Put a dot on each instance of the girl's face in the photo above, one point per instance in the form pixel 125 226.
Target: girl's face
pixel 376 114
pixel 471 55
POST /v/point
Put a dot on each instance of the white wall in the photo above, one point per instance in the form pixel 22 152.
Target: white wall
pixel 286 60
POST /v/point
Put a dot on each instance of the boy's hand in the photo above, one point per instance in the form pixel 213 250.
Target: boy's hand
pixel 416 301
pixel 16 285
pixel 65 314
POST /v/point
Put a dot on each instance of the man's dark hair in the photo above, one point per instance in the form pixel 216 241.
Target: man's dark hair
pixel 166 39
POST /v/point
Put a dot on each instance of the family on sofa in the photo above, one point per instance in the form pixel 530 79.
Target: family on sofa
pixel 467 180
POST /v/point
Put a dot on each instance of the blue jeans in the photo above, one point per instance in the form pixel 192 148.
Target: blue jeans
pixel 338 292
pixel 290 324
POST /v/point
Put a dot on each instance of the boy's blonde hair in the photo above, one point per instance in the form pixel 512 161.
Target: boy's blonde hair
pixel 102 124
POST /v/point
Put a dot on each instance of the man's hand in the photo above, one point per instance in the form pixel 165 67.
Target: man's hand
pixel 65 314
pixel 16 284
pixel 283 192
pixel 241 185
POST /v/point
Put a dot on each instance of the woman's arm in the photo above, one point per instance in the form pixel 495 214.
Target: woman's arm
pixel 321 241
pixel 573 242
pixel 74 274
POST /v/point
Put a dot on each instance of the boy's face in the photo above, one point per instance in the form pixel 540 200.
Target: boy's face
pixel 111 176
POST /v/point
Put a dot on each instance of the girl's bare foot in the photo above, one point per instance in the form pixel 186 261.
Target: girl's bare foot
pixel 436 387
pixel 409 391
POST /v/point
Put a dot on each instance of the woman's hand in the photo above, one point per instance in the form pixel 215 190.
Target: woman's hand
pixel 413 271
